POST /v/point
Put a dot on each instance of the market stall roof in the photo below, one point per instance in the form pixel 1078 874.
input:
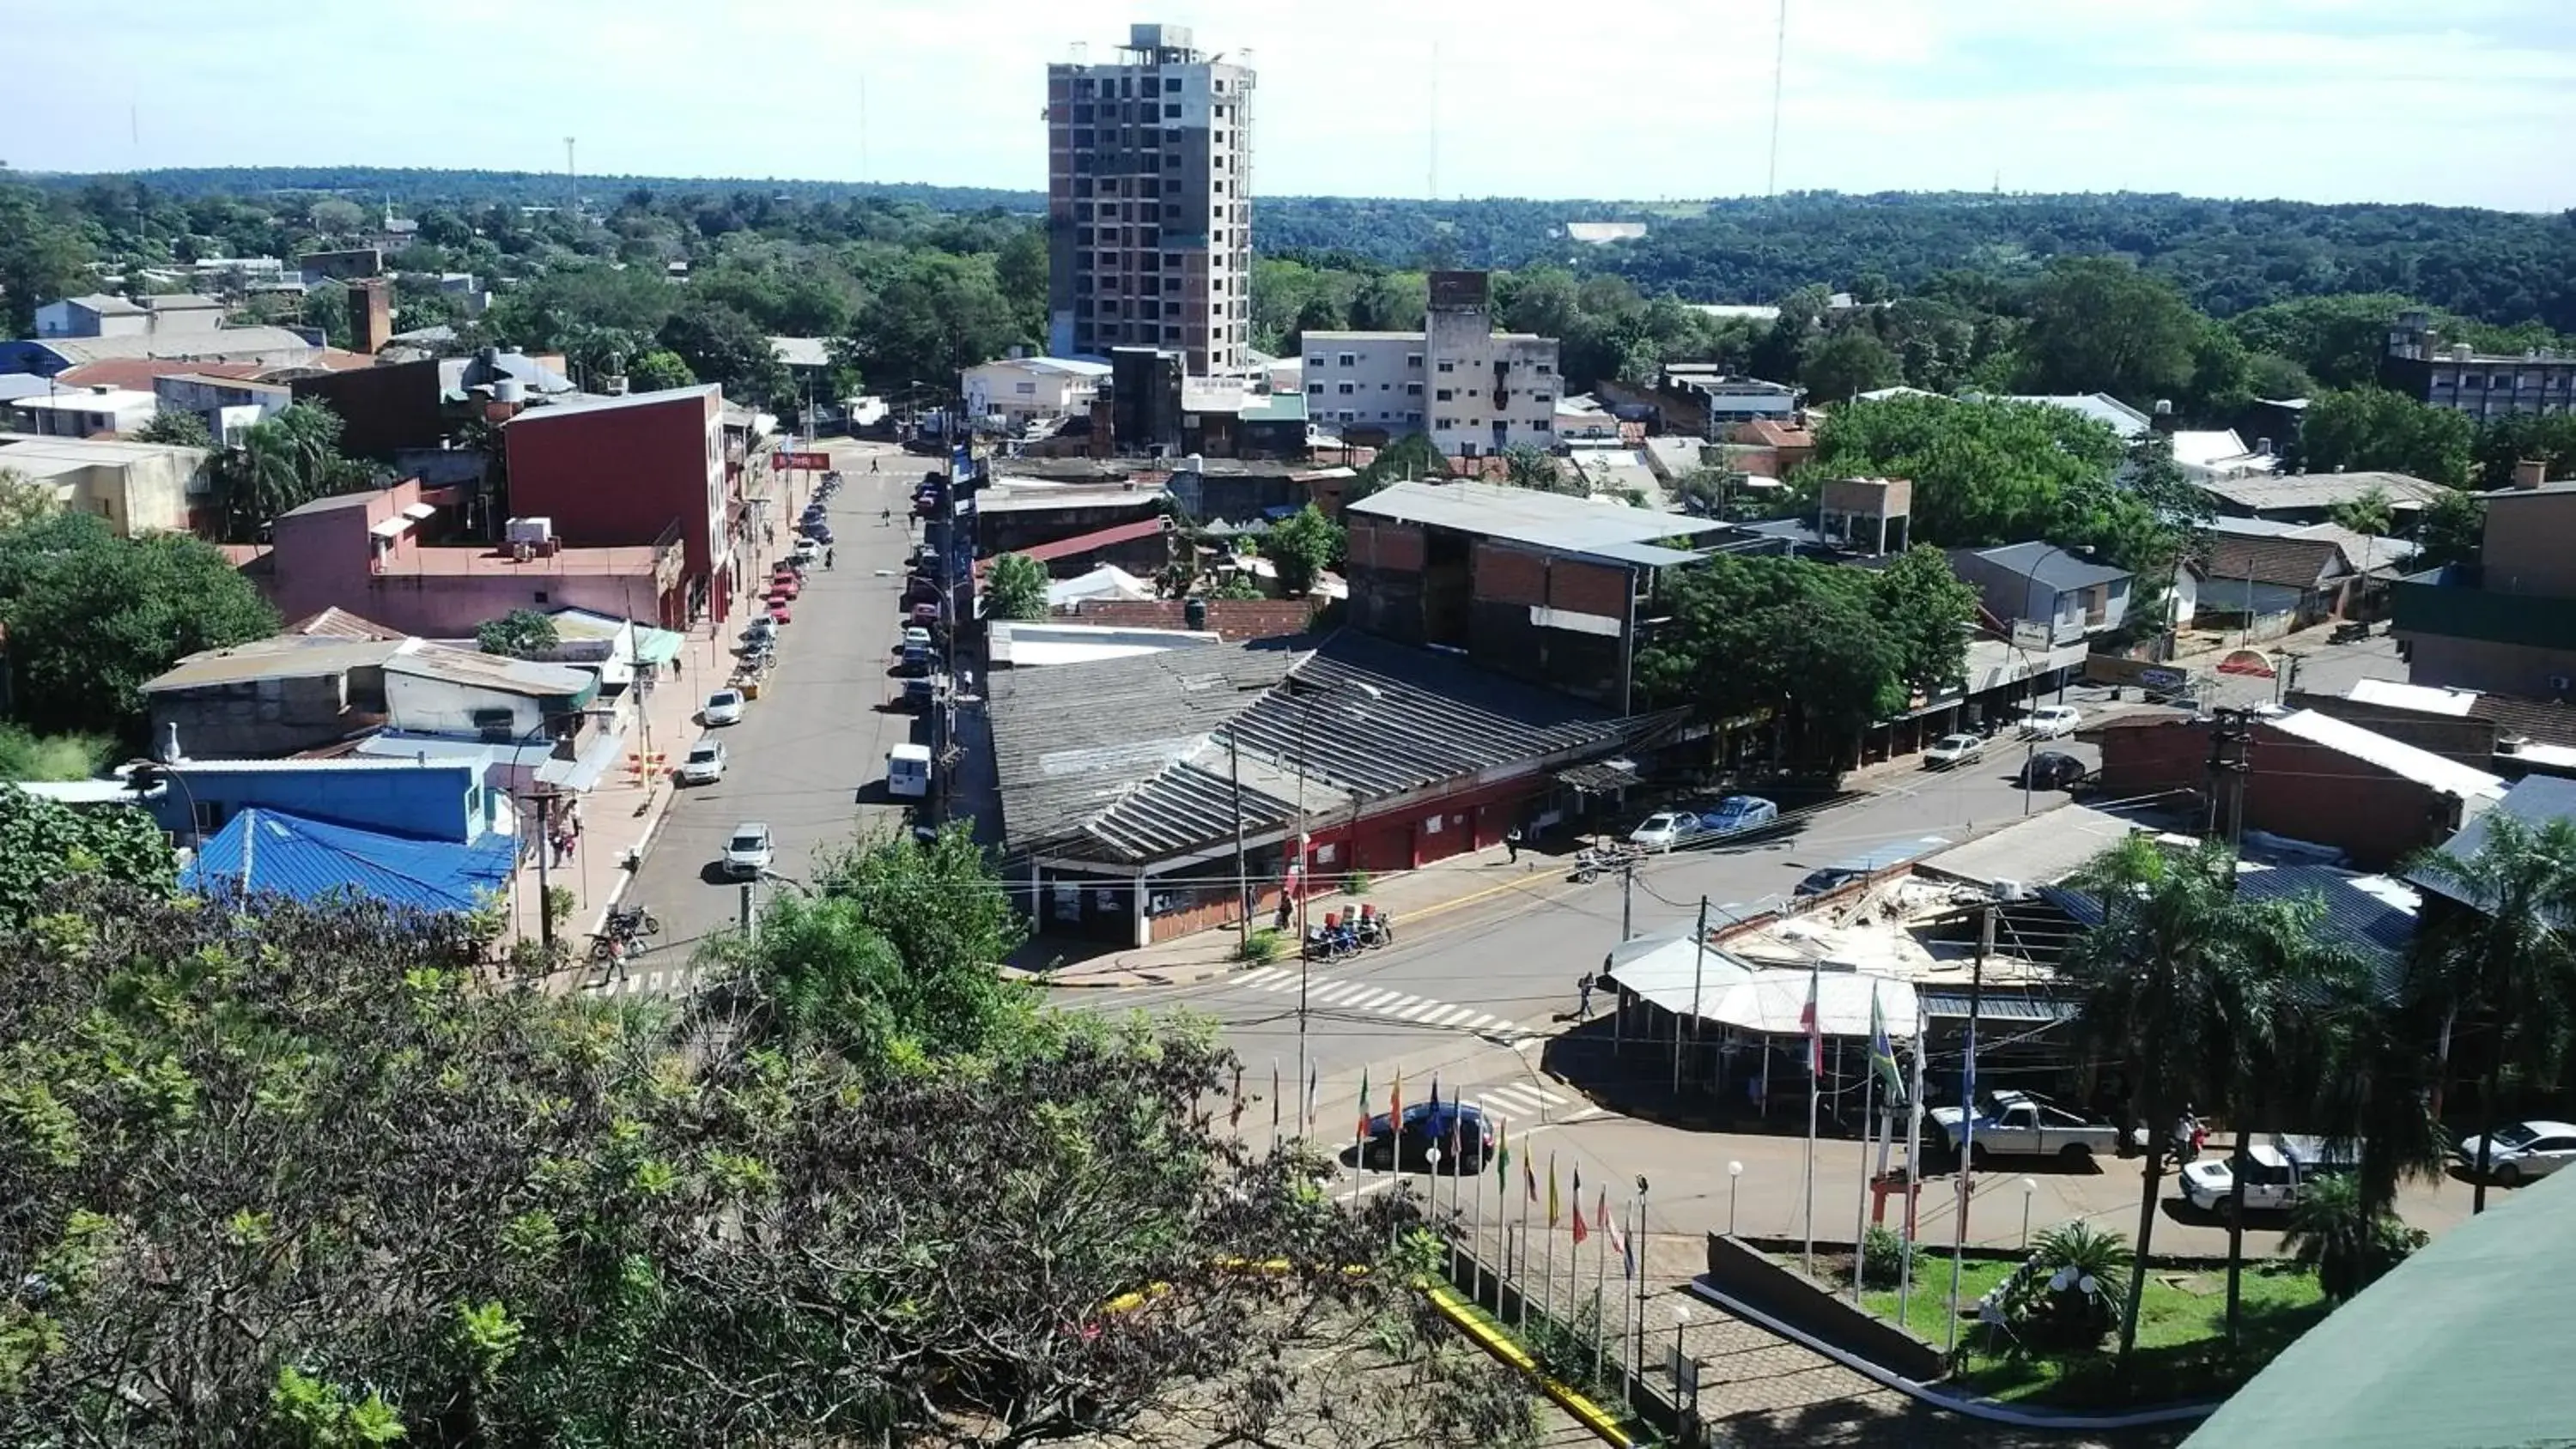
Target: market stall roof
pixel 1675 974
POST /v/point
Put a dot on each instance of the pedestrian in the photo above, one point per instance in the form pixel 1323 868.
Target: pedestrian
pixel 2187 1136
pixel 872 465
pixel 1512 844
pixel 1583 997
pixel 827 556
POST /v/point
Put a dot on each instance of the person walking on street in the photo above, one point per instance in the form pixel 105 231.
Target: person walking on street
pixel 827 555
pixel 2187 1136
pixel 1583 997
pixel 1512 844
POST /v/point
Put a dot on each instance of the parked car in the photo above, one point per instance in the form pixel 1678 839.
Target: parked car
pixel 819 532
pixel 1738 813
pixel 748 851
pixel 723 707
pixel 705 764
pixel 779 612
pixel 2051 770
pixel 1827 878
pixel 915 634
pixel 1665 829
pixel 1952 750
pixel 2024 1124
pixel 2050 721
pixel 1427 1127
pixel 805 551
pixel 2522 1151
pixel 2277 1174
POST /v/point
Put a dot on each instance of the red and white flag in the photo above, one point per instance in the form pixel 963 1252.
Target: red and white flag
pixel 1581 1229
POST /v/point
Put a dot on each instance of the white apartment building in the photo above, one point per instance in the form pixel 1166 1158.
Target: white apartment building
pixel 1474 390
pixel 1021 388
pixel 1149 203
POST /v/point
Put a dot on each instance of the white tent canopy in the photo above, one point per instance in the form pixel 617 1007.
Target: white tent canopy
pixel 1733 994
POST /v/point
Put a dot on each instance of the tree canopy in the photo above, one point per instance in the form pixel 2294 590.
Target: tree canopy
pixel 1984 472
pixel 1015 587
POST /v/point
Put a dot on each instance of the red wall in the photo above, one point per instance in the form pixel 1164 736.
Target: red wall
pixel 620 475
pixel 2295 788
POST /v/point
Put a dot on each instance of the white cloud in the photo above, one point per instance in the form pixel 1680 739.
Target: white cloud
pixel 2331 99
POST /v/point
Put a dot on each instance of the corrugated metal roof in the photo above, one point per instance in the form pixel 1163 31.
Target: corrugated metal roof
pixel 2051 565
pixel 270 850
pixel 2395 756
pixel 1551 521
pixel 2535 800
pixel 2466 1343
pixel 1997 1004
pixel 2424 698
pixel 2322 490
pixel 2039 851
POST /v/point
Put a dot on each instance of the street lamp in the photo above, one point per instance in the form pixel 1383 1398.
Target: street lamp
pixel 2027 1188
pixel 1734 1181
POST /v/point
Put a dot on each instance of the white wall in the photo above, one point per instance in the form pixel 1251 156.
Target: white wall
pixel 1019 391
pixel 438 706
pixel 1362 380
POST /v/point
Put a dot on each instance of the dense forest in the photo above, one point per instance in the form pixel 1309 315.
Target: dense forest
pixel 2226 257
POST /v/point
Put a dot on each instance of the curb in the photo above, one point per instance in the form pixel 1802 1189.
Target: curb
pixel 1509 1351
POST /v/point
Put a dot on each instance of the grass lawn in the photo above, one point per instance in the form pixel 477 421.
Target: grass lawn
pixel 2182 1349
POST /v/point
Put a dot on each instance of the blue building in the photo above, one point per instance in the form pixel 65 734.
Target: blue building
pixel 270 850
pixel 433 799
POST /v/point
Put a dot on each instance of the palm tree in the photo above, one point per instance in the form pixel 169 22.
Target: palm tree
pixel 2277 1001
pixel 2335 1230
pixel 2144 975
pixel 2507 964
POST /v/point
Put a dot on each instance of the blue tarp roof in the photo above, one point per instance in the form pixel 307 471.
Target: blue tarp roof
pixel 270 850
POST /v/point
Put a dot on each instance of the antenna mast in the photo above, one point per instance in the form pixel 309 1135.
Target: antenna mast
pixel 1779 63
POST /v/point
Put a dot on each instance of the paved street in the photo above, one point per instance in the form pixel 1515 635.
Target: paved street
pixel 809 756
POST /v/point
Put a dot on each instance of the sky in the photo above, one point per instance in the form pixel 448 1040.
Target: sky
pixel 2467 102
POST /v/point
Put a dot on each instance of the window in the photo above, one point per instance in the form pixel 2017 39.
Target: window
pixel 1315 361
pixel 1383 386
pixel 1171 113
pixel 1220 188
pixel 1414 418
pixel 1413 360
pixel 1346 416
pixel 1447 366
pixel 1444 395
pixel 1345 389
pixel 1171 83
pixel 1540 426
pixel 1025 389
pixel 1544 369
pixel 1542 397
pixel 1413 389
pixel 1350 359
pixel 1314 389
pixel 1471 392
pixel 1444 422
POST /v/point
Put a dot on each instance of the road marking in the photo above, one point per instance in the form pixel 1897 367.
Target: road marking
pixel 1418 1012
pixel 1340 992
pixel 1258 975
pixel 1282 984
pixel 1373 1000
pixel 1391 1008
pixel 1452 1016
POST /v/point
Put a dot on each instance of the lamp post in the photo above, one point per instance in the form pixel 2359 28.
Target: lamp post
pixel 1734 1181
pixel 2028 1187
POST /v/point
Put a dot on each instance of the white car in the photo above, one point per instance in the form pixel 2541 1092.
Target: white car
pixel 748 851
pixel 1739 813
pixel 2522 1151
pixel 1665 829
pixel 915 636
pixel 705 764
pixel 723 707
pixel 2278 1172
pixel 2050 722
pixel 1958 749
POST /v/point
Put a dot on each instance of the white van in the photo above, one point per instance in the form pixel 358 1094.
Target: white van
pixel 908 771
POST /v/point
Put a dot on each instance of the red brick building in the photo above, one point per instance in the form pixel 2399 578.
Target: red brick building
pixel 621 471
pixel 2313 777
pixel 1538 586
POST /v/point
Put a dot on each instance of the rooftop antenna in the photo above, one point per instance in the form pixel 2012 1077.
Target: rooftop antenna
pixel 1779 63
pixel 572 179
pixel 1435 121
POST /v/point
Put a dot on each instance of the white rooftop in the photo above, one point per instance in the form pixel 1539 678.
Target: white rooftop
pixel 88 400
pixel 2395 756
pixel 2423 698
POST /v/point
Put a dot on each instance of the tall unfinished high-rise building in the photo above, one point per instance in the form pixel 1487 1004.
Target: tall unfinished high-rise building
pixel 1149 203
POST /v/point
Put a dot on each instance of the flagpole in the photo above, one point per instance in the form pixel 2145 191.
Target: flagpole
pixel 1913 1169
pixel 1529 1193
pixel 1815 1096
pixel 1632 1270
pixel 1868 1131
pixel 1476 1230
pixel 1968 1117
pixel 1274 1104
pixel 1600 1280
pixel 1547 1272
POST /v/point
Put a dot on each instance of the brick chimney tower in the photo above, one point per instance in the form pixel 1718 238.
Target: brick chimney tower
pixel 371 314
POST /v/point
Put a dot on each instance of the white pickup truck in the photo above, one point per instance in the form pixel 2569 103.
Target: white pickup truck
pixel 2279 1171
pixel 2022 1124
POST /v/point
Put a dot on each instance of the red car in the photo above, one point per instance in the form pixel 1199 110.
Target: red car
pixel 784 585
pixel 778 611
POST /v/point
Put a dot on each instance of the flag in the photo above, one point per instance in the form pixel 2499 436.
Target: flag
pixel 1551 1192
pixel 1235 1117
pixel 1618 1239
pixel 1314 1081
pixel 1811 1019
pixel 1395 1102
pixel 1502 1154
pixel 1581 1231
pixel 1274 1096
pixel 1529 1178
pixel 1882 1053
pixel 1457 1126
pixel 1364 1113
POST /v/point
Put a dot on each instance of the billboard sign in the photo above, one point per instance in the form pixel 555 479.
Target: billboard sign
pixel 815 462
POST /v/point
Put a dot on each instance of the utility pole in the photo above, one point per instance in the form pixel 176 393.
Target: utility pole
pixel 2231 743
pixel 1699 960
pixel 1628 900
pixel 1968 1115
pixel 545 798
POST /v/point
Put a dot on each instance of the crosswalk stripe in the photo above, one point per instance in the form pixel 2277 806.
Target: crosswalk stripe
pixel 1374 1000
pixel 1390 1008
pixel 1481 1020
pixel 1417 1013
pixel 657 982
pixel 1259 974
pixel 1338 993
pixel 1451 1017
pixel 1282 984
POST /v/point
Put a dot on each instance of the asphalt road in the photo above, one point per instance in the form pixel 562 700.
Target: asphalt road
pixel 808 758
pixel 1456 994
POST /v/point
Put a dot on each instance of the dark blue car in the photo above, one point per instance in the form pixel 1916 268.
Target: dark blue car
pixel 1426 1127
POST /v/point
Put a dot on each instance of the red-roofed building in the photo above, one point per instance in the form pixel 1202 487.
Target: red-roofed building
pixel 1140 548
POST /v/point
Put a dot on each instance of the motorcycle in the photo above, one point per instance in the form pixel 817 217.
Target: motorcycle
pixel 1592 860
pixel 1331 943
pixel 1376 929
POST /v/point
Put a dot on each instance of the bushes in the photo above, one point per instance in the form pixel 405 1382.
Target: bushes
pixel 1358 883
pixel 1258 949
pixel 1882 1258
pixel 2068 1295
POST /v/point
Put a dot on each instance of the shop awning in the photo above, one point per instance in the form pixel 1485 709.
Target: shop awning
pixel 657 646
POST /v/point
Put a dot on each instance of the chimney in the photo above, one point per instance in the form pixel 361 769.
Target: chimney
pixel 2530 473
pixel 371 314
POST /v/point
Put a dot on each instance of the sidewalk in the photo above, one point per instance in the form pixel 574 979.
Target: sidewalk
pixel 1410 897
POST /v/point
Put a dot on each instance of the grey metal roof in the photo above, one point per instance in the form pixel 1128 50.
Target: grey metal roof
pixel 1126 760
pixel 1551 521
pixel 2373 914
pixel 2321 490
pixel 1998 1004
pixel 2051 565
pixel 2535 800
